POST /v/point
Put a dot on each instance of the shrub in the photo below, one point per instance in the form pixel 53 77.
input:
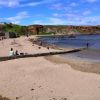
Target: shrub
pixel 3 98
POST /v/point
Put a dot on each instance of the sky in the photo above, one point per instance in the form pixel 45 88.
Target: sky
pixel 50 12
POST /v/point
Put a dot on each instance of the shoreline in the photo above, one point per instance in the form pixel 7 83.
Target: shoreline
pixel 39 42
pixel 77 64
pixel 46 45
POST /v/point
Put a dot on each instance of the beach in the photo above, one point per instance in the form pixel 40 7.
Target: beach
pixel 23 45
pixel 41 78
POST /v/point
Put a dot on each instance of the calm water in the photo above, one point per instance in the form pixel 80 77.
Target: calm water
pixel 93 53
pixel 79 41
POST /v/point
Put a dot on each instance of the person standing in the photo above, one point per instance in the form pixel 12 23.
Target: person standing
pixel 87 45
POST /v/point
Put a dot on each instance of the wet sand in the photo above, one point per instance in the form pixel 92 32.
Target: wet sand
pixel 77 63
pixel 89 54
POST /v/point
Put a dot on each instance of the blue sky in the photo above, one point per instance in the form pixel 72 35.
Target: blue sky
pixel 50 12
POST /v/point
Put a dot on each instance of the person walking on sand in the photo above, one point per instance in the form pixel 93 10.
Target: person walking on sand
pixel 11 53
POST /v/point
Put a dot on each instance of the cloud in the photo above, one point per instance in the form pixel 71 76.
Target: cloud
pixel 56 21
pixel 38 22
pixel 20 3
pixel 87 12
pixel 17 19
pixel 83 18
pixel 58 6
pixel 91 1
pixel 9 3
pixel 73 4
pixel 38 3
pixel 64 6
pixel 50 21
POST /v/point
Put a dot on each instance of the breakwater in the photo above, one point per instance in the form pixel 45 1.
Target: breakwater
pixel 41 54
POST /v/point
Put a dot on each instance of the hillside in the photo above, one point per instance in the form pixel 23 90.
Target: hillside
pixel 9 27
pixel 77 29
pixel 48 29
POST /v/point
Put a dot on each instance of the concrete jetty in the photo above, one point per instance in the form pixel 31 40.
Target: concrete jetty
pixel 41 54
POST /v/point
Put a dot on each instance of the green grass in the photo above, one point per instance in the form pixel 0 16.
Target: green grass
pixel 20 30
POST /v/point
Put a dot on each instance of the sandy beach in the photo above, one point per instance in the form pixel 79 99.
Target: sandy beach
pixel 21 44
pixel 42 79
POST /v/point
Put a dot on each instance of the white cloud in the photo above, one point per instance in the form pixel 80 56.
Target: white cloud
pixel 50 21
pixel 68 14
pixel 86 12
pixel 64 6
pixel 56 21
pixel 73 4
pixel 91 1
pixel 9 3
pixel 57 6
pixel 38 3
pixel 17 19
pixel 83 18
pixel 19 3
pixel 38 22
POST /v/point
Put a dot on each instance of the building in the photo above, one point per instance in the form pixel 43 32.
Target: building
pixel 6 35
pixel 3 35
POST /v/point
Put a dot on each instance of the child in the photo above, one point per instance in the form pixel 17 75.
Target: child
pixel 16 53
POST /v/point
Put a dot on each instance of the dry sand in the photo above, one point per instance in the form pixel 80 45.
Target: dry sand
pixel 21 44
pixel 40 79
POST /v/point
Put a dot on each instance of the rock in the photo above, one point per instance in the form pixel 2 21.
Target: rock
pixel 32 89
pixel 17 98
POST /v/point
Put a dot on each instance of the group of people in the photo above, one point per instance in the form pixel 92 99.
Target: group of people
pixel 12 53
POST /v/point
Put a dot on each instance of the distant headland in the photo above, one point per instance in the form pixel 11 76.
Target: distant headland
pixel 48 29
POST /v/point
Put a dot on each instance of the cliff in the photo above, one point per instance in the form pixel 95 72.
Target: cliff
pixel 63 29
pixel 49 29
pixel 76 29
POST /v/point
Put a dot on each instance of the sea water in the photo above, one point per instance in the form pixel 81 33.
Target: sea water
pixel 80 41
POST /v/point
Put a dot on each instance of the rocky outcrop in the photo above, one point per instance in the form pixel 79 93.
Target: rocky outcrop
pixel 76 29
pixel 35 29
pixel 63 29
